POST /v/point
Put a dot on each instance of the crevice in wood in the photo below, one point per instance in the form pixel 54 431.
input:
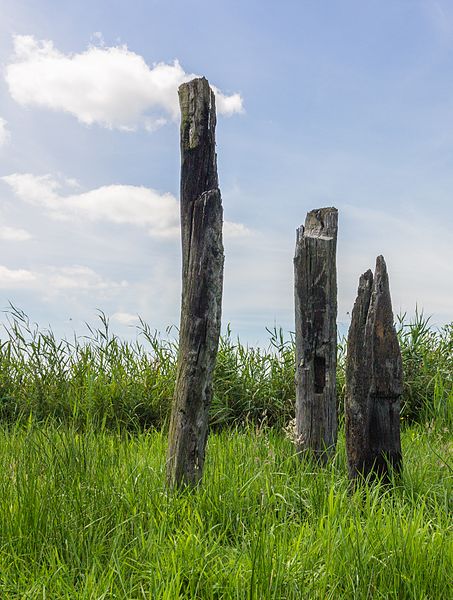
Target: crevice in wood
pixel 320 374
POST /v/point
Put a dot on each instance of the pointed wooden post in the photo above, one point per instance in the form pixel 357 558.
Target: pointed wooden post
pixel 202 281
pixel 374 381
pixel 315 289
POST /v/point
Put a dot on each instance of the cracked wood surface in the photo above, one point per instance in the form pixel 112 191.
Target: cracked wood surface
pixel 374 381
pixel 202 282
pixel 315 291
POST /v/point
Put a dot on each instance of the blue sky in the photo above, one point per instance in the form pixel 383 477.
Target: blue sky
pixel 343 103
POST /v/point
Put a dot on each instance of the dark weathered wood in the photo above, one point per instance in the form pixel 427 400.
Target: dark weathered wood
pixel 202 280
pixel 374 381
pixel 315 290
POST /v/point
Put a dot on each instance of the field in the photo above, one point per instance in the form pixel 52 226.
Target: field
pixel 84 509
pixel 86 515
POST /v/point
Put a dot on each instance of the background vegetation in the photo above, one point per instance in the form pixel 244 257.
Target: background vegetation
pixel 101 380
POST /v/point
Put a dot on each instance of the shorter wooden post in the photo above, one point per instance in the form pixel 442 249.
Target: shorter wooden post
pixel 374 381
pixel 315 294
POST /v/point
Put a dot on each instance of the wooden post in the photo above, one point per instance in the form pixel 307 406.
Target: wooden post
pixel 316 333
pixel 374 381
pixel 202 281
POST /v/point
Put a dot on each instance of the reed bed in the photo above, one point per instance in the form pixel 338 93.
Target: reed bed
pixel 103 381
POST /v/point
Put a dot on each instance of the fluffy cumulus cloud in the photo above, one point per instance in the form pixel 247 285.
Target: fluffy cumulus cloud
pixel 4 133
pixel 120 204
pixel 111 86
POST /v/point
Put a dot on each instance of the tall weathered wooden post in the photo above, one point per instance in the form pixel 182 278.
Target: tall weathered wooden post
pixel 202 281
pixel 374 381
pixel 315 289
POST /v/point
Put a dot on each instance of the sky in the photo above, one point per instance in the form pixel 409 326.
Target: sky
pixel 345 103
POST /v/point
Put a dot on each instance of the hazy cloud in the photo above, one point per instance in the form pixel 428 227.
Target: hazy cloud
pixel 4 133
pixel 440 15
pixel 13 234
pixel 125 318
pixel 79 277
pixel 52 280
pixel 15 278
pixel 110 86
pixel 417 248
pixel 121 204
pixel 235 230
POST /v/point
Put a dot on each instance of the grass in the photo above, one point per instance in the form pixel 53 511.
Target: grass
pixel 88 516
pixel 428 370
pixel 99 380
pixel 84 511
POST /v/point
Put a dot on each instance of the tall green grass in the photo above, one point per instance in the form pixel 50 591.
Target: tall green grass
pixel 428 370
pixel 86 515
pixel 84 511
pixel 99 379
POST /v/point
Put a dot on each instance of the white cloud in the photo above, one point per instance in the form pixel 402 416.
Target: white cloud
pixel 417 248
pixel 110 86
pixel 15 278
pixel 235 230
pixel 125 318
pixel 13 234
pixel 226 105
pixel 78 277
pixel 120 204
pixel 51 281
pixel 4 133
pixel 37 190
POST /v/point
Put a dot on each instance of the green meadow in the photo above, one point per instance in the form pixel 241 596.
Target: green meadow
pixel 85 513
